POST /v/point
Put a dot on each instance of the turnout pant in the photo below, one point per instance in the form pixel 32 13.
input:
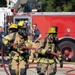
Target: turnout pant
pixel 18 67
pixel 47 68
pixel 33 55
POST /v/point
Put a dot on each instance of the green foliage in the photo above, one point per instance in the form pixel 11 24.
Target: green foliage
pixel 67 7
pixel 58 5
pixel 3 3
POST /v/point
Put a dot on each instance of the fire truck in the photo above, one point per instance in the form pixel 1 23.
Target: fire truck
pixel 65 21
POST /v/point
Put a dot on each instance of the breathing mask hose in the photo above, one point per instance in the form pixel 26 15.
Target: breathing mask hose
pixel 2 53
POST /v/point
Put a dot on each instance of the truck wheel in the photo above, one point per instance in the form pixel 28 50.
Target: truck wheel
pixel 67 49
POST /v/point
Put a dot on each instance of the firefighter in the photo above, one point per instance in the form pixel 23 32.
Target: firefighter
pixel 57 59
pixel 13 28
pixel 46 61
pixel 19 56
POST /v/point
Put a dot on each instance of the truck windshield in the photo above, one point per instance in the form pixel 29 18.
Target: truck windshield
pixel 19 19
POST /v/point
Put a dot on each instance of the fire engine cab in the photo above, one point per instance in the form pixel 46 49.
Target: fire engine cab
pixel 65 21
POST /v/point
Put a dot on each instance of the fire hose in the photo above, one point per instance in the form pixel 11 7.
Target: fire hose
pixel 30 48
pixel 69 72
pixel 2 53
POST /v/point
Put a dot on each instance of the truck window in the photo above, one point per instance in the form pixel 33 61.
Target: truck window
pixel 19 19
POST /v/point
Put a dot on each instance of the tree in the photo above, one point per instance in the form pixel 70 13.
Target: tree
pixel 58 5
pixel 3 3
pixel 47 5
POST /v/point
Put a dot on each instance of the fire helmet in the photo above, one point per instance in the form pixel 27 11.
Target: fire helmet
pixel 21 23
pixel 13 26
pixel 52 30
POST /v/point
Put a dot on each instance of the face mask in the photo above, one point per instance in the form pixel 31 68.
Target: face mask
pixel 23 32
pixel 50 38
pixel 53 38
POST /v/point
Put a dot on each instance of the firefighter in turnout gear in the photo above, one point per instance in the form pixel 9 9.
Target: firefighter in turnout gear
pixel 57 50
pixel 19 56
pixel 46 61
pixel 13 28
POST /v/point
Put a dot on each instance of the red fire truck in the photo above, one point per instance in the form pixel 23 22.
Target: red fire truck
pixel 65 21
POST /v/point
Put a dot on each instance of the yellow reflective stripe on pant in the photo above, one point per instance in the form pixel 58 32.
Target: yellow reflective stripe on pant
pixel 51 61
pixel 17 57
pixel 47 61
pixel 43 61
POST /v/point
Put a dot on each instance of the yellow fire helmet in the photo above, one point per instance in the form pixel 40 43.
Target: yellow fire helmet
pixel 52 29
pixel 21 23
pixel 13 26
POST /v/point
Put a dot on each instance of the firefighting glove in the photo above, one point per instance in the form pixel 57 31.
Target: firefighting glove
pixel 68 59
pixel 65 58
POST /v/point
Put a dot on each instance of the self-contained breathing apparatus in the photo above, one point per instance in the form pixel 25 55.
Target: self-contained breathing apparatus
pixel 23 29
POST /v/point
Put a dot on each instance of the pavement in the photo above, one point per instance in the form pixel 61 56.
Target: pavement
pixel 60 71
pixel 66 70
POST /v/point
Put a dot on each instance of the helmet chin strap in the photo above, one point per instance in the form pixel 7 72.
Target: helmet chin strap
pixel 2 53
